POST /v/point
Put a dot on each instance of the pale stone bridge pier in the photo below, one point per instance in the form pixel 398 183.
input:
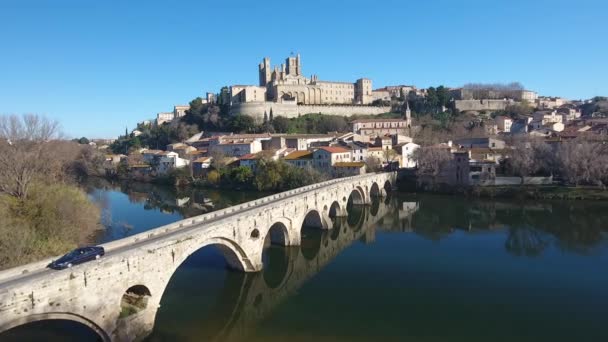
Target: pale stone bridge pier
pixel 135 271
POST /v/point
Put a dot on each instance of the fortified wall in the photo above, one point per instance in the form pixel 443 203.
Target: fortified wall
pixel 480 105
pixel 289 110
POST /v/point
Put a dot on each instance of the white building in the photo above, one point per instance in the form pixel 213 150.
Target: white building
pixel 167 161
pixel 504 123
pixel 407 154
pixel 237 147
pixel 324 158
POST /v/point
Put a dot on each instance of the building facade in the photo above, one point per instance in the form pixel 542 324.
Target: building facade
pixel 286 83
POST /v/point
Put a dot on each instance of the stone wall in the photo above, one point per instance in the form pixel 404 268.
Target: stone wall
pixel 290 110
pixel 481 105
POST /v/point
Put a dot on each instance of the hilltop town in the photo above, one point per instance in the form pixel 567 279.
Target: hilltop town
pixel 487 134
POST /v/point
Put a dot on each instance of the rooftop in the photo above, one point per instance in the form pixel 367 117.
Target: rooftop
pixel 349 164
pixel 378 120
pixel 333 149
pixel 298 155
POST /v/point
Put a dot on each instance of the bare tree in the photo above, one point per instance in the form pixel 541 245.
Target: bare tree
pixel 582 161
pixel 431 161
pixel 24 151
pixel 531 156
pixel 373 164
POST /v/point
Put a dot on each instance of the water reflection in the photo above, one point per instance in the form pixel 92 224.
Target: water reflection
pixel 286 269
pixel 417 262
pixel 129 207
pixel 572 226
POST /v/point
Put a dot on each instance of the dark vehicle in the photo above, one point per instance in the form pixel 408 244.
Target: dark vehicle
pixel 77 256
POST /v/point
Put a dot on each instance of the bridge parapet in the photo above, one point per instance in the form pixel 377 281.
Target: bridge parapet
pixel 172 227
pixel 150 258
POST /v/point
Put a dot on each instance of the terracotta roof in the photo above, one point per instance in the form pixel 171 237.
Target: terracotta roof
pixel 299 155
pixel 202 160
pixel 333 149
pixel 349 164
pixel 152 151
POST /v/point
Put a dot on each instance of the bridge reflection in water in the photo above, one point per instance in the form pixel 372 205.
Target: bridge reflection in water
pixel 244 299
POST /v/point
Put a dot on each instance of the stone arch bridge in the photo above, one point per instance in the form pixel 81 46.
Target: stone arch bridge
pixel 92 293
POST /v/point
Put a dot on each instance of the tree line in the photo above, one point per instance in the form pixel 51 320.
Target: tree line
pixel 43 210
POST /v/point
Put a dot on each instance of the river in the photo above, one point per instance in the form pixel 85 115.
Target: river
pixel 408 268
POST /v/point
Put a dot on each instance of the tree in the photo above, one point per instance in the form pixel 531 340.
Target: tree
pixel 242 175
pixel 82 141
pixel 332 123
pixel 269 175
pixel 373 164
pixel 25 152
pixel 242 123
pixel 280 124
pixel 213 177
pixel 530 157
pixel 431 161
pixel 389 154
pixel 581 161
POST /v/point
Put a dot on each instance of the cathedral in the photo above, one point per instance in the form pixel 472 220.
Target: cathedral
pixel 287 84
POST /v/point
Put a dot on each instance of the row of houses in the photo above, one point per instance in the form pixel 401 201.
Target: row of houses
pixel 335 153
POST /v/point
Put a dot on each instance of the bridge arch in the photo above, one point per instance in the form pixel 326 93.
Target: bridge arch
pixel 374 191
pixel 335 210
pixel 103 335
pixel 314 219
pixel 356 197
pixel 234 255
pixel 388 187
pixel 134 300
pixel 278 234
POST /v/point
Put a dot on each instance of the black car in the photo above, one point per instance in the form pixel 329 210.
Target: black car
pixel 77 256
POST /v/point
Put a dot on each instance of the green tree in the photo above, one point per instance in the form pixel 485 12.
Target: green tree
pixel 281 124
pixel 241 175
pixel 242 123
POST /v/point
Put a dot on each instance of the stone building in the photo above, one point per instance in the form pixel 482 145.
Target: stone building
pixel 286 83
pixel 287 92
pixel 381 126
pixel 324 158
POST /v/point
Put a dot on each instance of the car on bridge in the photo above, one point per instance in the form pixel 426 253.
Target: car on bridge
pixel 77 256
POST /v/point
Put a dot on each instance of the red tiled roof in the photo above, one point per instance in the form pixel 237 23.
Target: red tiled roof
pixel 333 149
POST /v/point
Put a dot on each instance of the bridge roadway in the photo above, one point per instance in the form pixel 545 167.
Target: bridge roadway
pixel 92 293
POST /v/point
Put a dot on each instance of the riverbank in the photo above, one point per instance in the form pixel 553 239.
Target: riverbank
pixel 548 192
pixel 541 192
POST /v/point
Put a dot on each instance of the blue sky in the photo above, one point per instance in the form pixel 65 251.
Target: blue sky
pixel 98 66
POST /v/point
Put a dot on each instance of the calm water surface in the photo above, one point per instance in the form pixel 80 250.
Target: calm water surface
pixel 409 268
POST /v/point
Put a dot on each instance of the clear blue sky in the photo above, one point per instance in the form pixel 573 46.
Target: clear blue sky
pixel 98 66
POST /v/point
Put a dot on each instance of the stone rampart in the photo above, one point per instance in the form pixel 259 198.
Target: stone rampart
pixel 290 110
pixel 481 105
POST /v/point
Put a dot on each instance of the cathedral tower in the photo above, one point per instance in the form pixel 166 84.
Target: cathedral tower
pixel 265 72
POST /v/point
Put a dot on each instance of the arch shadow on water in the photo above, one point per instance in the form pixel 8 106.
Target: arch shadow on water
pixel 53 327
pixel 275 255
pixel 311 234
pixel 199 299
